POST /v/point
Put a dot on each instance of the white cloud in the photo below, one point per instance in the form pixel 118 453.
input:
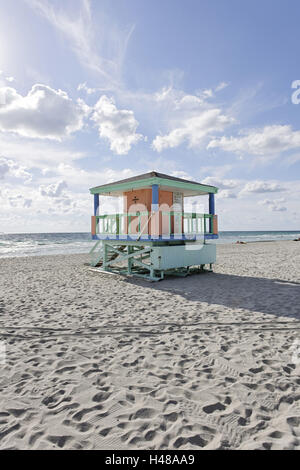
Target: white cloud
pixel 274 205
pixel 60 200
pixel 226 194
pixel 271 140
pixel 221 86
pixel 103 53
pixel 86 179
pixel 84 87
pixel 54 190
pixel 79 181
pixel 11 168
pixel 117 125
pixel 208 93
pixel 7 96
pixel 262 187
pixel 211 92
pixel 4 168
pixel 12 199
pixel 4 79
pixel 267 202
pixel 190 118
pixel 177 100
pixel 182 174
pixel 193 130
pixel 42 113
pixel 220 183
pixel 291 159
pixel 16 200
pixel 27 203
pixel 37 153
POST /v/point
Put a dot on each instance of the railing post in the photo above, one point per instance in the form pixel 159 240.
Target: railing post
pixel 96 213
pixel 211 211
pixel 155 198
pixel 155 219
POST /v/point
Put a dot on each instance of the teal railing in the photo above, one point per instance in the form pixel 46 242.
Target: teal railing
pixel 189 223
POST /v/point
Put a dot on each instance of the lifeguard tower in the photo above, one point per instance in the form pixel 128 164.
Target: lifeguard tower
pixel 153 236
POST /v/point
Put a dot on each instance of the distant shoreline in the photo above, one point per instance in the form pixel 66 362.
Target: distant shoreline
pixel 24 245
pixel 87 253
pixel 88 233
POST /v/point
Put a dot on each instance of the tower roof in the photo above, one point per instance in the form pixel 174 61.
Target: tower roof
pixel 146 180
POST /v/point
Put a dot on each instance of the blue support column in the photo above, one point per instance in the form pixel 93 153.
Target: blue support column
pixel 155 205
pixel 155 215
pixel 96 204
pixel 211 210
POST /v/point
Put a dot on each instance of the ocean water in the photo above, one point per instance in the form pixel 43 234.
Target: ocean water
pixel 35 244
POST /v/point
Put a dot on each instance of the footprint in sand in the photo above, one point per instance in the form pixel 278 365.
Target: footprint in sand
pixel 52 401
pixel 60 441
pixel 214 407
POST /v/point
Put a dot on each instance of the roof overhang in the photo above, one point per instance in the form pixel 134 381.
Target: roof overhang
pixel 188 188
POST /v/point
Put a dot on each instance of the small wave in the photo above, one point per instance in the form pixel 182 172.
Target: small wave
pixel 70 243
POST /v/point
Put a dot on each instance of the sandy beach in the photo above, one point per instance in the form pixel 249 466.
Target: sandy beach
pixel 98 361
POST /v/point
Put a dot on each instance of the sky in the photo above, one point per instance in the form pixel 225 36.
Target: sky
pixel 94 91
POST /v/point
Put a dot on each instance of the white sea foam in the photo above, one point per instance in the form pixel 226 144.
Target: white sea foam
pixel 38 244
